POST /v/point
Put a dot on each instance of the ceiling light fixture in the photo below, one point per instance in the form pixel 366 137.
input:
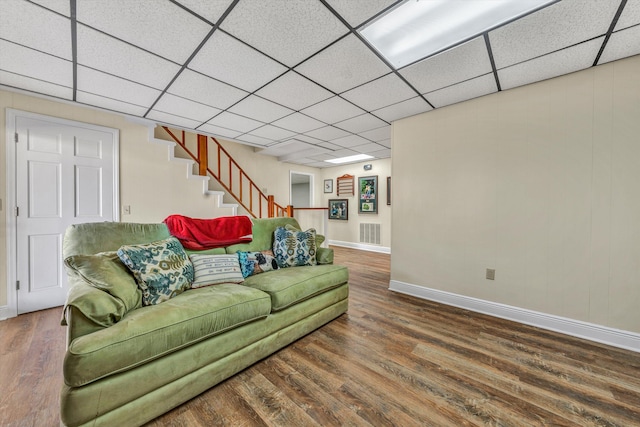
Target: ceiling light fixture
pixel 417 29
pixel 348 159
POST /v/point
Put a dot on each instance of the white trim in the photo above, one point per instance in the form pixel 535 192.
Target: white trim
pixel 11 309
pixel 590 331
pixel 361 246
pixel 311 187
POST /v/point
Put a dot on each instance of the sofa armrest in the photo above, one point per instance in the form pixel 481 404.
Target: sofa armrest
pixel 324 255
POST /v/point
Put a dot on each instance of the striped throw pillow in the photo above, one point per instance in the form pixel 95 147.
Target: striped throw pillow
pixel 215 269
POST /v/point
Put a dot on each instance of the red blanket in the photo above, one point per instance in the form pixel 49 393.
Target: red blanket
pixel 198 234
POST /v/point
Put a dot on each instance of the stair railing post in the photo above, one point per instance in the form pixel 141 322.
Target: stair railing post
pixel 290 211
pixel 203 155
pixel 271 206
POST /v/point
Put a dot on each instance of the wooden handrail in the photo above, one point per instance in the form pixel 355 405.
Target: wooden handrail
pixel 273 209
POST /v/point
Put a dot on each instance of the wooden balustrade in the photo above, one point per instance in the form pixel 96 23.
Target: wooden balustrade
pixel 229 184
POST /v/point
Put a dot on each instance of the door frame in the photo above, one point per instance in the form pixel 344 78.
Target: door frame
pixel 11 309
pixel 311 185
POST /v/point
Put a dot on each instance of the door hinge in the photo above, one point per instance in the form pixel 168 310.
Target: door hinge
pixel 16 136
pixel 17 211
pixel 18 285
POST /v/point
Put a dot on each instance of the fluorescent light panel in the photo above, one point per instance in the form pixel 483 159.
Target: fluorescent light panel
pixel 348 159
pixel 417 29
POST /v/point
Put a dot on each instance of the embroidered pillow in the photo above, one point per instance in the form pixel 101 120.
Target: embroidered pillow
pixel 215 269
pixel 162 269
pixel 256 262
pixel 319 237
pixel 294 248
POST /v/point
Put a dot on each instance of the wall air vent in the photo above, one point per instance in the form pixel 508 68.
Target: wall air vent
pixel 370 233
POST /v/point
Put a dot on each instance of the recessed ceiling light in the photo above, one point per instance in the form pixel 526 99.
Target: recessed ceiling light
pixel 348 159
pixel 417 29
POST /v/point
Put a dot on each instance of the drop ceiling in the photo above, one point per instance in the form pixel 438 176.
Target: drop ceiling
pixel 292 78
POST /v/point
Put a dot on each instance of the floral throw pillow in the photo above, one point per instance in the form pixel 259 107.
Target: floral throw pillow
pixel 256 262
pixel 162 269
pixel 294 248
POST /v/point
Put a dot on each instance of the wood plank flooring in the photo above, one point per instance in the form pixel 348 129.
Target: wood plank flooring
pixel 392 360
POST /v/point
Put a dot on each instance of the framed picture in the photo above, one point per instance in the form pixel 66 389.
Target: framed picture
pixel 368 194
pixel 339 209
pixel 328 186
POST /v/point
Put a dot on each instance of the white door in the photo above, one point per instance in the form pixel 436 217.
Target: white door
pixel 64 175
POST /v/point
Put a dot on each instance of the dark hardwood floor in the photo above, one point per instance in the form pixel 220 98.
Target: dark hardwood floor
pixel 391 360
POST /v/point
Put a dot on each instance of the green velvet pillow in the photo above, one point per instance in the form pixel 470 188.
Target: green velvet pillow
pixel 162 269
pixel 294 248
pixel 106 272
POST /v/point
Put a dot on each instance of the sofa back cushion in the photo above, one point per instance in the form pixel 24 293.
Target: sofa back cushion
pixel 262 232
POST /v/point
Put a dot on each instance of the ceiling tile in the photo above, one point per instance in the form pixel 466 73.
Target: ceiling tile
pixel 110 104
pixel 555 64
pixel 203 89
pixel 622 44
pixel 170 119
pixel 367 148
pixel 403 109
pixel 219 131
pixel 272 132
pixel 288 31
pixel 186 108
pixel 209 10
pixel 260 109
pixel 30 63
pixel 308 139
pixel 233 62
pixel 381 154
pixel 327 133
pixel 299 123
pixel 35 85
pixel 330 146
pixel 630 15
pixel 282 148
pixel 333 110
pixel 469 89
pixel 344 65
pixel 356 12
pixel 160 27
pixel 294 91
pixel 256 140
pixel 97 83
pixel 379 93
pixel 60 6
pixel 360 123
pixel 449 67
pixel 235 122
pixel 378 134
pixel 99 51
pixel 350 141
pixel 35 27
pixel 344 153
pixel 557 26
pixel 385 143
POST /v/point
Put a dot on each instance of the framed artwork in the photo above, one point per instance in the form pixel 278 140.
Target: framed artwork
pixel 368 194
pixel 328 186
pixel 339 209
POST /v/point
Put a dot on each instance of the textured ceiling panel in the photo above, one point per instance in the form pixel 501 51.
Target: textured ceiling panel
pixel 288 31
pixel 209 10
pixel 344 65
pixel 378 134
pixel 356 12
pixel 310 140
pixel 217 130
pixel 630 15
pixel 205 90
pixel 157 26
pixel 327 133
pixel 60 6
pixel 381 154
pixel 256 140
pixel 170 119
pixel 365 148
pixel 454 65
pixel 282 148
pixel 555 27
pixel 35 27
pixel 110 104
pixel 235 122
pixel 386 143
pixel 260 109
pixel 99 51
pixel 30 63
pixel 186 108
pixel 622 44
pixel 109 86
pixel 552 65
pixel 230 61
pixel 34 85
pixel 333 110
pixel 299 123
pixel 360 123
pixel 473 88
pixel 350 141
pixel 272 132
pixel 294 91
pixel 407 108
pixel 379 93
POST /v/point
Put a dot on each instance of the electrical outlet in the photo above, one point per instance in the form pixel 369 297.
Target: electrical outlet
pixel 491 274
pixel 126 210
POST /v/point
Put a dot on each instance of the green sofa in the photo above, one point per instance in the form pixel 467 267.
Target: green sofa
pixel 126 363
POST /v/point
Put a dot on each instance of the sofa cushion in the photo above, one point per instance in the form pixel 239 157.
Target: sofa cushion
pixel 262 232
pixel 215 269
pixel 153 331
pixel 289 286
pixel 294 248
pixel 162 269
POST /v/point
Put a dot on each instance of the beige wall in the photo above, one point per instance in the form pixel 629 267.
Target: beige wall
pixel 541 183
pixel 349 231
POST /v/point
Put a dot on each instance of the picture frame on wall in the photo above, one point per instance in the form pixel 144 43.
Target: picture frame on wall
pixel 328 186
pixel 368 194
pixel 339 209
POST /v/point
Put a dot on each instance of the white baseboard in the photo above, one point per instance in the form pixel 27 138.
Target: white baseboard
pixel 361 246
pixel 602 334
pixel 6 312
